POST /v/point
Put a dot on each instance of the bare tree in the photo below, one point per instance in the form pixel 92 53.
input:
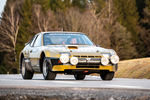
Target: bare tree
pixel 86 22
pixel 44 21
pixel 102 28
pixel 9 27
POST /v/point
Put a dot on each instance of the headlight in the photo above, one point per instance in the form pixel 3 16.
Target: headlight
pixel 104 61
pixel 64 58
pixel 114 59
pixel 74 60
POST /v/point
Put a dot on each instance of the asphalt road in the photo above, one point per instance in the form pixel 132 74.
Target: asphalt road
pixel 69 81
pixel 65 87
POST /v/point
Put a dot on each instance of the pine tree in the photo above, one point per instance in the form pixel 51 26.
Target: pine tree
pixel 128 16
pixel 62 5
pixel 25 30
pixel 99 4
pixel 44 3
pixel 140 6
pixel 145 31
pixel 82 4
pixel 120 37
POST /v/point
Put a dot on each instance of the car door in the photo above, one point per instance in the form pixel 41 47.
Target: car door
pixel 35 52
pixel 27 48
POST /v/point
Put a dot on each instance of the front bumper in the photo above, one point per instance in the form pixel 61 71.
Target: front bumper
pixel 93 64
pixel 71 67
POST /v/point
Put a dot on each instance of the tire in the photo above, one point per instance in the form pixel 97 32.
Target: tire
pixel 26 74
pixel 106 75
pixel 47 71
pixel 79 76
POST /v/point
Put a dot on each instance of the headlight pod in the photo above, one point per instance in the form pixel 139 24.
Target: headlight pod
pixel 104 61
pixel 74 60
pixel 64 58
pixel 114 59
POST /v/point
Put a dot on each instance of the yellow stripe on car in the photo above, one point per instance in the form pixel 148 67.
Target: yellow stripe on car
pixel 71 67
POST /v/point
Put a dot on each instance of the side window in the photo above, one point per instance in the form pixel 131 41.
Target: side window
pixel 38 41
pixel 33 40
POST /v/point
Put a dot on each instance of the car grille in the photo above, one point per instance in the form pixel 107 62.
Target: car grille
pixel 88 61
pixel 87 66
pixel 87 56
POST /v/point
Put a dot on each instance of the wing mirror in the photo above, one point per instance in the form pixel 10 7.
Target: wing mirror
pixel 97 45
pixel 26 44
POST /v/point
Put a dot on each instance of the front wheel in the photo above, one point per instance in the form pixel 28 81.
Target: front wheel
pixel 106 75
pixel 79 76
pixel 47 71
pixel 26 74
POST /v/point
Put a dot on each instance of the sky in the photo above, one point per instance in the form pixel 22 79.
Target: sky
pixel 2 4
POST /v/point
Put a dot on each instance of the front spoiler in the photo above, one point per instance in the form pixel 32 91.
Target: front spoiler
pixel 71 67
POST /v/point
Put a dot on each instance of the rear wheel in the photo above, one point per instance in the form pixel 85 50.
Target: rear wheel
pixel 79 76
pixel 106 75
pixel 26 74
pixel 47 71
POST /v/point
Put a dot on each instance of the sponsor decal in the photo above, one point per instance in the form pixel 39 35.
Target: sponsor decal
pixel 88 59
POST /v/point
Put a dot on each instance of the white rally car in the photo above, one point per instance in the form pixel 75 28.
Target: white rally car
pixel 66 52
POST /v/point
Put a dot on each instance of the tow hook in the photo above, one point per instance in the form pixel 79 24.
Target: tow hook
pixel 86 71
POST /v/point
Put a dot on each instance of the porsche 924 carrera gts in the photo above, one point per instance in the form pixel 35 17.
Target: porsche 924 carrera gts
pixel 70 53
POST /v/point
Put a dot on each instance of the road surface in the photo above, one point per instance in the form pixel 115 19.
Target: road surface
pixel 69 81
pixel 66 87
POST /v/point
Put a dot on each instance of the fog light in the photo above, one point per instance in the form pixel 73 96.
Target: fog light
pixel 74 60
pixel 104 61
pixel 114 59
pixel 64 58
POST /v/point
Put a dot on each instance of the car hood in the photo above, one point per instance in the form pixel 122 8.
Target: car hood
pixel 80 50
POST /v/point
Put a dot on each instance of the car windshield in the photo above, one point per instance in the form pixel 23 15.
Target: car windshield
pixel 66 39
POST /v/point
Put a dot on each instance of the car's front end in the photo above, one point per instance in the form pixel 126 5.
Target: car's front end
pixel 74 53
pixel 83 59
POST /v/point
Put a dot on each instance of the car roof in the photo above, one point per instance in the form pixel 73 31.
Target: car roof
pixel 62 32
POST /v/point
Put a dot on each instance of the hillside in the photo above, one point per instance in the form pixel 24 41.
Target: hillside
pixel 136 68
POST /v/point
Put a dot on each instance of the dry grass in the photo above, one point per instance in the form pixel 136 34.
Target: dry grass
pixel 136 68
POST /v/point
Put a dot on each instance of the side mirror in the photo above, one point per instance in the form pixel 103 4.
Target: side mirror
pixel 97 45
pixel 26 44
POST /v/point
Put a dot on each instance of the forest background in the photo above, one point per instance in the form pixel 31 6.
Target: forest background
pixel 122 25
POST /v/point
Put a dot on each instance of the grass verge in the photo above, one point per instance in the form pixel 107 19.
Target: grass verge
pixel 136 68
